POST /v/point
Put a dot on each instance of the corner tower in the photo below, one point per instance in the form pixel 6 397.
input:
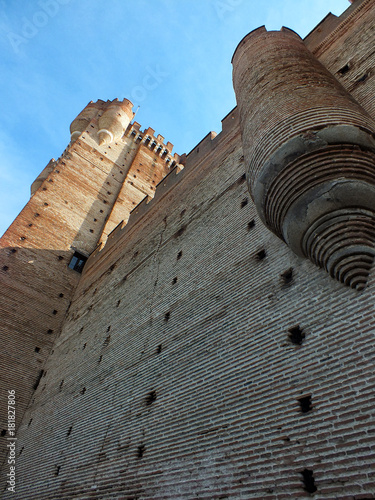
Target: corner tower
pixel 309 149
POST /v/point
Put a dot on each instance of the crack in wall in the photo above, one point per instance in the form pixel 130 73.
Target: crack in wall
pixel 156 262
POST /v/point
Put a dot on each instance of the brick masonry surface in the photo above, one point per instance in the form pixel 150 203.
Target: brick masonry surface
pixel 200 358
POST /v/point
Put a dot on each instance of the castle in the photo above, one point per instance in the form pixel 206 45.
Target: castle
pixel 202 326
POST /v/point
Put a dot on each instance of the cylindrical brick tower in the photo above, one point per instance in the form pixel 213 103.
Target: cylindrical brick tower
pixel 309 150
pixel 114 120
pixel 80 123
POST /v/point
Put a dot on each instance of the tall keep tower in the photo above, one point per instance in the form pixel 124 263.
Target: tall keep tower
pixel 107 169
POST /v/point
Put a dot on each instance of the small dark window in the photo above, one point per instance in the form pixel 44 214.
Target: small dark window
pixel 305 404
pixel 77 262
pixel 309 481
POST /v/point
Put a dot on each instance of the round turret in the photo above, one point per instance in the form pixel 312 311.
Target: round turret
pixel 309 150
pixel 80 123
pixel 115 120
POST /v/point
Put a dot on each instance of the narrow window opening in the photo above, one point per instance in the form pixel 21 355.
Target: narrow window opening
pixel 69 431
pixel 100 358
pixel 159 349
pixel 179 232
pixel 179 255
pixel 344 69
pixel 107 341
pixel 262 254
pixel 77 262
pixel 54 312
pixel 308 481
pixel 28 425
pixel 84 346
pixel 57 469
pixel 5 268
pixel 50 332
pixel 140 451
pixel 37 349
pixel 296 335
pixel 150 398
pixel 3 432
pixel 363 78
pixel 250 225
pixel 305 404
pixel 287 276
pixel 244 202
pixel 61 385
pixel 83 390
pixel 174 281
pixel 167 316
pixel 118 303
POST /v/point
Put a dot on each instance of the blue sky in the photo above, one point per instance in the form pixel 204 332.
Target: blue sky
pixel 171 57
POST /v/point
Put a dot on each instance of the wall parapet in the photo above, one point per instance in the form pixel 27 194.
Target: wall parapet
pixel 186 165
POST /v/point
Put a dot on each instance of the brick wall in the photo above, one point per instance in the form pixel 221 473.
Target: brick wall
pixel 71 208
pixel 201 358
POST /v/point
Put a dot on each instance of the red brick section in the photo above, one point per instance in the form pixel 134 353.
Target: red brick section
pixel 201 358
pixel 68 212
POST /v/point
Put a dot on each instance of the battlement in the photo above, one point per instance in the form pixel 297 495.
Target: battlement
pixel 155 143
pixel 328 28
pixel 186 165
